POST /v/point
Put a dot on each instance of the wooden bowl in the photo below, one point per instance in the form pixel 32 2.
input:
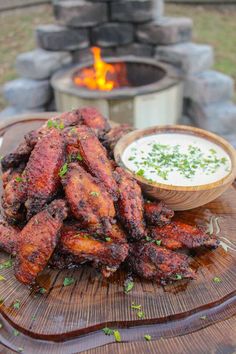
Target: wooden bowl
pixel 180 197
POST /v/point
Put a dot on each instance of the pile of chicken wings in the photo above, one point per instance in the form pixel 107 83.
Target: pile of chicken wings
pixel 65 202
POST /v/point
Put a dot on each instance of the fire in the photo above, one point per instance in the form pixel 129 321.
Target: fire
pixel 102 76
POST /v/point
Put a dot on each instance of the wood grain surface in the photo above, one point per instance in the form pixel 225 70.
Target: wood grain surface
pixel 190 317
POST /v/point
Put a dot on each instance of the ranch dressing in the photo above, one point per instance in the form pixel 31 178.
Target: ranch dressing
pixel 177 159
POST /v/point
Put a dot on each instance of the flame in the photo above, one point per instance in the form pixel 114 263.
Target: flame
pixel 102 76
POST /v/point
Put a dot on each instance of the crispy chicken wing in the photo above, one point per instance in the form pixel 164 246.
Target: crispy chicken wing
pixel 42 171
pixel 9 237
pixel 15 158
pixel 104 255
pixel 130 205
pixel 179 235
pixel 14 195
pixel 89 201
pixel 150 261
pixel 157 214
pixel 92 118
pixel 84 144
pixel 38 240
pixel 110 139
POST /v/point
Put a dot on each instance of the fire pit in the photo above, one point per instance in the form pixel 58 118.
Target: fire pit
pixel 125 89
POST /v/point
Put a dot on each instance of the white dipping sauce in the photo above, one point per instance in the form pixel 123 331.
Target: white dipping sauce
pixel 177 159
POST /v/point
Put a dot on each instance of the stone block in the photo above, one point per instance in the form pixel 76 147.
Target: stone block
pixel 26 93
pixel 80 13
pixel 112 34
pixel 41 64
pixel 61 38
pixel 158 9
pixel 132 10
pixel 189 57
pixel 217 117
pixel 208 87
pixel 137 49
pixel 166 30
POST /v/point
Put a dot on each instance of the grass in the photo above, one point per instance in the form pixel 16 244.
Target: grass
pixel 211 25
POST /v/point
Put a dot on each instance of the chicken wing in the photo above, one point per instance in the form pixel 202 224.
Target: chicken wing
pixel 14 195
pixel 82 142
pixel 42 171
pixel 110 139
pixel 150 261
pixel 157 214
pixel 15 158
pixel 89 201
pixel 9 237
pixel 130 205
pixel 179 235
pixel 38 240
pixel 92 118
pixel 107 256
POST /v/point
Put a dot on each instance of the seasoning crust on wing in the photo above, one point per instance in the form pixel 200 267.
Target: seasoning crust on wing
pixel 9 237
pixel 89 201
pixel 42 171
pixel 38 240
pixel 180 235
pixel 130 205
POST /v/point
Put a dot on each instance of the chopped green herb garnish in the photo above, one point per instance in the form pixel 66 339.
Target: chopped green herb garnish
pixel 94 194
pixel 178 276
pixel 217 280
pixel 135 307
pixel 63 170
pixel 55 124
pixel 203 318
pixel 68 281
pixel 140 314
pixel 148 239
pixel 147 337
pixel 140 172
pixel 108 239
pixel 15 332
pixel 7 264
pixel 107 331
pixel 79 157
pixel 50 124
pixel 2 278
pixel 19 179
pixel 158 242
pixel 117 335
pixel 128 286
pixel 33 318
pixel 16 305
pixel 42 290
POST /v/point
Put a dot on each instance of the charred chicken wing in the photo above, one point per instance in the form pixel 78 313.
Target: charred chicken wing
pixel 157 214
pixel 150 261
pixel 42 171
pixel 82 142
pixel 38 240
pixel 89 201
pixel 9 237
pixel 179 235
pixel 130 205
pixel 110 139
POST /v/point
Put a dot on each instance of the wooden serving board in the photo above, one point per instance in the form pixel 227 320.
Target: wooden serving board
pixel 70 319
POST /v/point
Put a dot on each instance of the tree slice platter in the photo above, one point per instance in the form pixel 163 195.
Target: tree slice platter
pixel 69 319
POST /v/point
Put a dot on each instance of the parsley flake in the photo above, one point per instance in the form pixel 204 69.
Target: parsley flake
pixel 15 332
pixel 178 277
pixel 63 170
pixel 16 305
pixel 19 179
pixel 217 280
pixel 140 314
pixel 94 194
pixel 158 242
pixel 135 307
pixel 108 239
pixel 147 337
pixel 128 286
pixel 2 278
pixel 42 290
pixel 7 264
pixel 117 335
pixel 68 281
pixel 107 331
pixel 79 157
pixel 140 172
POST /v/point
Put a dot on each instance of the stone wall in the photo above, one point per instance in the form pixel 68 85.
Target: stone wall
pixel 124 27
